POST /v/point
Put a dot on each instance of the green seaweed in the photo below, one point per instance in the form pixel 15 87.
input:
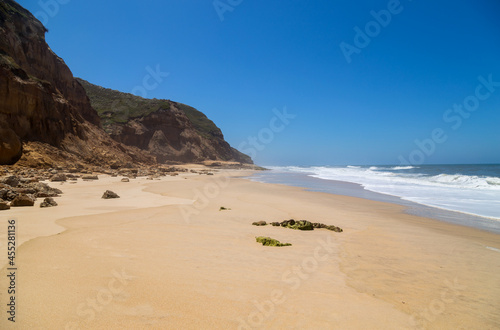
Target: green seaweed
pixel 298 225
pixel 268 241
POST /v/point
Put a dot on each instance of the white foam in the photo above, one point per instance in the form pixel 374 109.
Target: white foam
pixel 478 195
pixel 403 167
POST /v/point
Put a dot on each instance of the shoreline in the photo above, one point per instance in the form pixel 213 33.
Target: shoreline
pixel 352 189
pixel 209 271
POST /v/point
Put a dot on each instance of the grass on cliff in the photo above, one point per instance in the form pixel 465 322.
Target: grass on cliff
pixel 8 7
pixel 8 61
pixel 205 126
pixel 115 107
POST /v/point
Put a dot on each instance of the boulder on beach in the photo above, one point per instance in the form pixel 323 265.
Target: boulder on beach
pixel 8 194
pixel 108 194
pixel 23 200
pixel 48 202
pixel 60 177
pixel 125 180
pixel 90 177
pixel 44 190
pixel 4 205
pixel 12 181
pixel 260 223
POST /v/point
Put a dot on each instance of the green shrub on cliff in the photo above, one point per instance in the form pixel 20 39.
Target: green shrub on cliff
pixel 117 107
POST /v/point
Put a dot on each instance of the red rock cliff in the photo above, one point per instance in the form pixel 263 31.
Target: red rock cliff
pixel 40 101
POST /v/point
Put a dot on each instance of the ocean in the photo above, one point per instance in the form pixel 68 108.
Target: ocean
pixel 463 194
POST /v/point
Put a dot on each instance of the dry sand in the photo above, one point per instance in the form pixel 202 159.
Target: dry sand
pixel 164 257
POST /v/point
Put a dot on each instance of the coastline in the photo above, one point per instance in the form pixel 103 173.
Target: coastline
pixel 175 260
pixel 344 188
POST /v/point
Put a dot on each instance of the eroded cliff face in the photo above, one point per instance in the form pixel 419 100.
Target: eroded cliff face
pixel 46 110
pixel 40 101
pixel 169 130
pixel 37 86
pixel 170 136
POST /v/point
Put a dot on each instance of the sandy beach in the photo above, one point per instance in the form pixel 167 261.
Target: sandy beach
pixel 164 256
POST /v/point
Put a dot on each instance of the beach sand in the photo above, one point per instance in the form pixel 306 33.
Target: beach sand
pixel 164 256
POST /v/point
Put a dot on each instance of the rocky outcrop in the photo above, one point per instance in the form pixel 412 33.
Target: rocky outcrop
pixel 41 189
pixel 41 101
pixel 108 194
pixel 169 130
pixel 12 187
pixel 11 148
pixel 47 119
pixel 48 202
pixel 90 177
pixel 42 105
pixel 60 177
pixel 23 200
pixel 4 205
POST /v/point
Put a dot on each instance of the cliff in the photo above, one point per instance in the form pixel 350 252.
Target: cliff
pixel 46 111
pixel 169 130
pixel 42 105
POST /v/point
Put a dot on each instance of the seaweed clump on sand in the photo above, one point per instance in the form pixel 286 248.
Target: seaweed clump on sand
pixel 305 225
pixel 268 241
pixel 300 225
pixel 332 228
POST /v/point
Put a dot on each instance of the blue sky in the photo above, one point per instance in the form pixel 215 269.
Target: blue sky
pixel 391 103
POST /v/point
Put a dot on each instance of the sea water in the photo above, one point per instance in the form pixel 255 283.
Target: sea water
pixel 467 189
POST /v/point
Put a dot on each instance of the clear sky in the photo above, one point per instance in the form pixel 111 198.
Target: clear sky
pixel 366 82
